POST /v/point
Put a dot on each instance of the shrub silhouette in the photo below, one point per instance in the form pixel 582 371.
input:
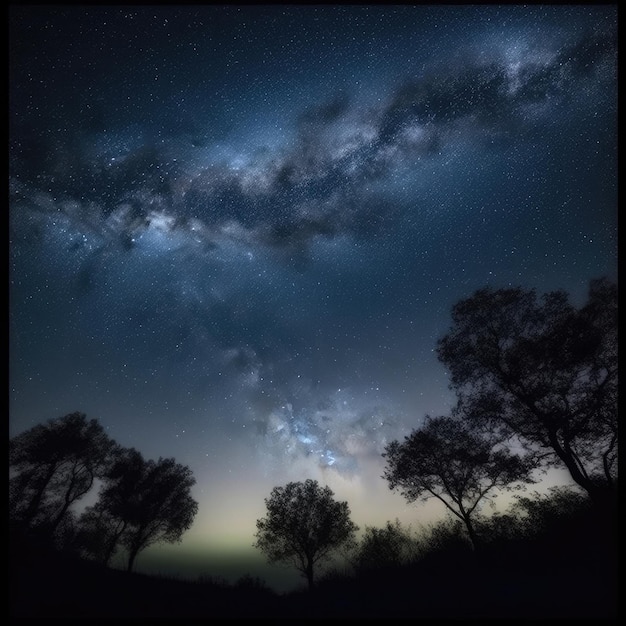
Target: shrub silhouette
pixel 385 547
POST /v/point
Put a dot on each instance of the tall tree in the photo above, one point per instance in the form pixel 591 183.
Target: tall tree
pixel 448 460
pixel 141 503
pixel 53 465
pixel 544 372
pixel 304 526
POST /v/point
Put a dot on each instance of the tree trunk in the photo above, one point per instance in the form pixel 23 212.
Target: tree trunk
pixel 106 559
pixel 472 533
pixel 33 507
pixel 604 497
pixel 578 477
pixel 309 573
pixel 59 517
pixel 605 502
pixel 131 559
pixel 108 555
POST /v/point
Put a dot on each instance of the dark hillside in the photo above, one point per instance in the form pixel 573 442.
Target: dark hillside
pixel 567 571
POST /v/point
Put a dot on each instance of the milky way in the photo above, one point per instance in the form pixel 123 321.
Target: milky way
pixel 236 233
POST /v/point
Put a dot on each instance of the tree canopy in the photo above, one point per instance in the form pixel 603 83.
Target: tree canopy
pixel 304 526
pixel 542 371
pixel 384 547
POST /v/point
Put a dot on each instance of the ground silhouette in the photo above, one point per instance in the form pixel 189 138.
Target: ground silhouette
pixel 567 569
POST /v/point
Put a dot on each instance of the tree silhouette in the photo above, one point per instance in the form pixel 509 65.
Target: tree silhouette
pixel 304 525
pixel 448 460
pixel 140 503
pixel 52 466
pixel 543 372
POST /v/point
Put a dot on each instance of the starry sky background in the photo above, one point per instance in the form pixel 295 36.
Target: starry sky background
pixel 236 233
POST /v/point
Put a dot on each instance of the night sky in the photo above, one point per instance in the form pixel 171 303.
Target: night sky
pixel 236 233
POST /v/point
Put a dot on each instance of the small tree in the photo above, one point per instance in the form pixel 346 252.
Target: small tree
pixel 141 503
pixel 304 526
pixel 53 465
pixel 544 372
pixel 458 466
